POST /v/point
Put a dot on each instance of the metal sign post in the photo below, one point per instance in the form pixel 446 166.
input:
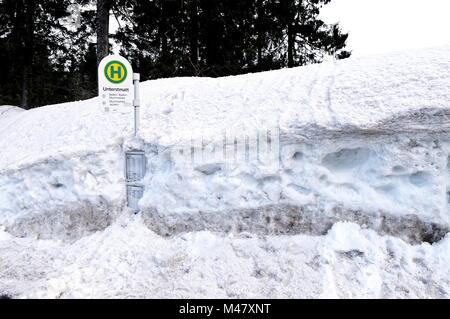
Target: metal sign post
pixel 136 103
pixel 135 160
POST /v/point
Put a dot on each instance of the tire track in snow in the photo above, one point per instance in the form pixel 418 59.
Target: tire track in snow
pixel 329 89
pixel 320 94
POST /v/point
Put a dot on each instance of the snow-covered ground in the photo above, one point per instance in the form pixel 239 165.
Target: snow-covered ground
pixel 127 260
pixel 363 145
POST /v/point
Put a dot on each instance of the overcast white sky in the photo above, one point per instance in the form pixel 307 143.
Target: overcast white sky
pixel 378 26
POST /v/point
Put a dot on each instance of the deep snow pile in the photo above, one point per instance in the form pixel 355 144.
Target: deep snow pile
pixel 361 137
pixel 362 140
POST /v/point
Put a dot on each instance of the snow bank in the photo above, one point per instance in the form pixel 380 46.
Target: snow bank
pixel 363 139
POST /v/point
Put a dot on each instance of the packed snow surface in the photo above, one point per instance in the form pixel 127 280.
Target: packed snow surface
pixel 127 260
pixel 348 198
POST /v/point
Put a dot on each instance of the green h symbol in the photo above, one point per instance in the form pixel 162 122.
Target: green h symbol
pixel 117 71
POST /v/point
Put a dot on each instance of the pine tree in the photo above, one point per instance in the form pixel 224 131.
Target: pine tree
pixel 225 37
pixel 309 39
pixel 62 56
pixel 31 38
pixel 102 28
pixel 44 58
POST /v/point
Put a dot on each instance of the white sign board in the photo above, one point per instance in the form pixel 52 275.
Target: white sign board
pixel 115 83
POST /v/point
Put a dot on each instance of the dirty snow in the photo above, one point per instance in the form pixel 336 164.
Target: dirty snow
pixel 127 260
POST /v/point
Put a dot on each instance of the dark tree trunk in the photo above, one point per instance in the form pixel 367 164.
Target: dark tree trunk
pixel 103 10
pixel 28 53
pixel 290 21
pixel 163 30
pixel 25 87
pixel 193 33
pixel 212 34
pixel 260 31
pixel 18 62
pixel 291 45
